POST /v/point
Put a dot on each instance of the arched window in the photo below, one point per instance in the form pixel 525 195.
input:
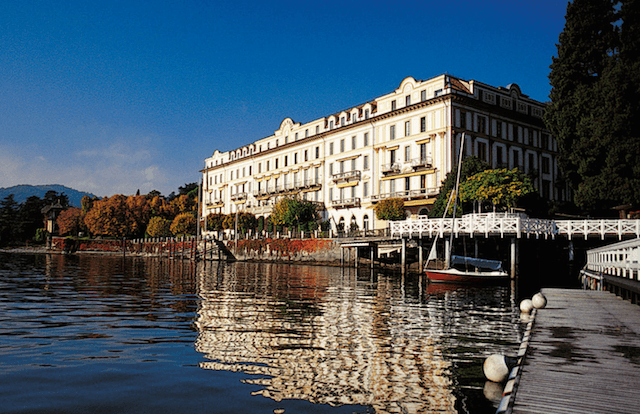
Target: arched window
pixel 423 212
pixel 365 223
pixel 341 224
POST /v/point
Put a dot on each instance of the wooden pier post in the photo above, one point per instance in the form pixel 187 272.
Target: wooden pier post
pixel 447 255
pixel 403 254
pixel 355 261
pixel 420 254
pixel 514 257
pixel 372 254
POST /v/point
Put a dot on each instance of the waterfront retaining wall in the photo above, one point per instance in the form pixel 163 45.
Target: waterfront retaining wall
pixel 140 247
pixel 325 251
pixel 309 251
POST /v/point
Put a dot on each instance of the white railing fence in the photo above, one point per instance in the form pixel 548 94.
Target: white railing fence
pixel 475 224
pixel 514 224
pixel 619 259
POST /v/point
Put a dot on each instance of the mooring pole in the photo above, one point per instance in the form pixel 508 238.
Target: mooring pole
pixel 514 257
pixel 447 254
pixel 420 258
pixel 355 261
pixel 404 254
pixel 372 253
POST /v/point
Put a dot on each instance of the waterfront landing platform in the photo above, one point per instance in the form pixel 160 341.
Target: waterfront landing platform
pixel 583 356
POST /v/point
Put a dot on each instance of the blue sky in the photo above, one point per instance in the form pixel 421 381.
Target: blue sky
pixel 114 96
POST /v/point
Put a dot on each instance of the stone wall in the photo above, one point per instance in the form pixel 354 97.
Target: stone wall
pixel 321 251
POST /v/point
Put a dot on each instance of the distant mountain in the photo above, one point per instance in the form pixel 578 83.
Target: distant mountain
pixel 23 191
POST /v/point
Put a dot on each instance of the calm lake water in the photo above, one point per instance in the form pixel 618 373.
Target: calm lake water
pixel 104 334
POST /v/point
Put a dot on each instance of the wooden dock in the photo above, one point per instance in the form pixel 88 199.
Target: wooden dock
pixel 583 356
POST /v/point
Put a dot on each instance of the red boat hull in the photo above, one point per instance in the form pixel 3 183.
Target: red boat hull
pixel 456 276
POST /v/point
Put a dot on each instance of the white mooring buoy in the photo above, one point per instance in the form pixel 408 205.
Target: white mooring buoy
pixel 495 368
pixel 526 306
pixel 539 301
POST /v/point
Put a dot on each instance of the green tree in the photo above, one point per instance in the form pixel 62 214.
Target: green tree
pixel 159 227
pixel 52 197
pixel 595 102
pixel 470 166
pixel 501 187
pixel 390 209
pixel 292 211
pixel 246 222
pixel 29 218
pixel 214 222
pixel 8 219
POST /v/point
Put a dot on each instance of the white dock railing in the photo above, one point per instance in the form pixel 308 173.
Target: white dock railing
pixel 475 224
pixel 602 228
pixel 619 259
pixel 514 224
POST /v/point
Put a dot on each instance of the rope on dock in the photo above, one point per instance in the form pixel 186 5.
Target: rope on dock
pixel 509 394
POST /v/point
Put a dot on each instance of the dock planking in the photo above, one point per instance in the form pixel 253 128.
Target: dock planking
pixel 583 356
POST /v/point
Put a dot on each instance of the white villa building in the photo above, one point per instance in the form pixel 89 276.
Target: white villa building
pixel 401 144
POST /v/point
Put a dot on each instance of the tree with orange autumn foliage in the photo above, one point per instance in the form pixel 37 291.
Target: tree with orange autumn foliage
pixel 111 217
pixel 70 221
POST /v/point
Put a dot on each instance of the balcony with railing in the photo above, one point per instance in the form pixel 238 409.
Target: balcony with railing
pixel 307 184
pixel 239 196
pixel 392 168
pixel 422 162
pixel 407 194
pixel 266 209
pixel 215 203
pixel 346 176
pixel 346 202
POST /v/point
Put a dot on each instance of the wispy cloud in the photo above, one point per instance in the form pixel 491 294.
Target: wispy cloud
pixel 120 168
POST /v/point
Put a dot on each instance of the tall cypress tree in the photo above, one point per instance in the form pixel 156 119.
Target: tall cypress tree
pixel 593 107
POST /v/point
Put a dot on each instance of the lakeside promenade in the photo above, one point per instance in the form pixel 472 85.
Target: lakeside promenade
pixel 583 356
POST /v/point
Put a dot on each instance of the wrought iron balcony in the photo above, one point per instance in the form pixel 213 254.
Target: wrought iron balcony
pixel 238 196
pixel 407 194
pixel 215 203
pixel 346 176
pixel 308 183
pixel 346 202
pixel 394 167
pixel 421 162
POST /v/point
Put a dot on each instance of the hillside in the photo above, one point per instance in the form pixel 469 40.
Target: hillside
pixel 23 191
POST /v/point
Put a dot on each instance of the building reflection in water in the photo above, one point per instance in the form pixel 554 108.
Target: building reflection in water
pixel 327 336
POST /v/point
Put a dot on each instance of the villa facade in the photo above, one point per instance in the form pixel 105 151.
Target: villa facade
pixel 401 144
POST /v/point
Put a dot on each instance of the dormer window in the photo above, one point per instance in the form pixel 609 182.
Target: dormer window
pixel 366 114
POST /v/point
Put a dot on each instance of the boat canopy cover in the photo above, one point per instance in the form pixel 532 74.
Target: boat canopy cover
pixel 479 263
